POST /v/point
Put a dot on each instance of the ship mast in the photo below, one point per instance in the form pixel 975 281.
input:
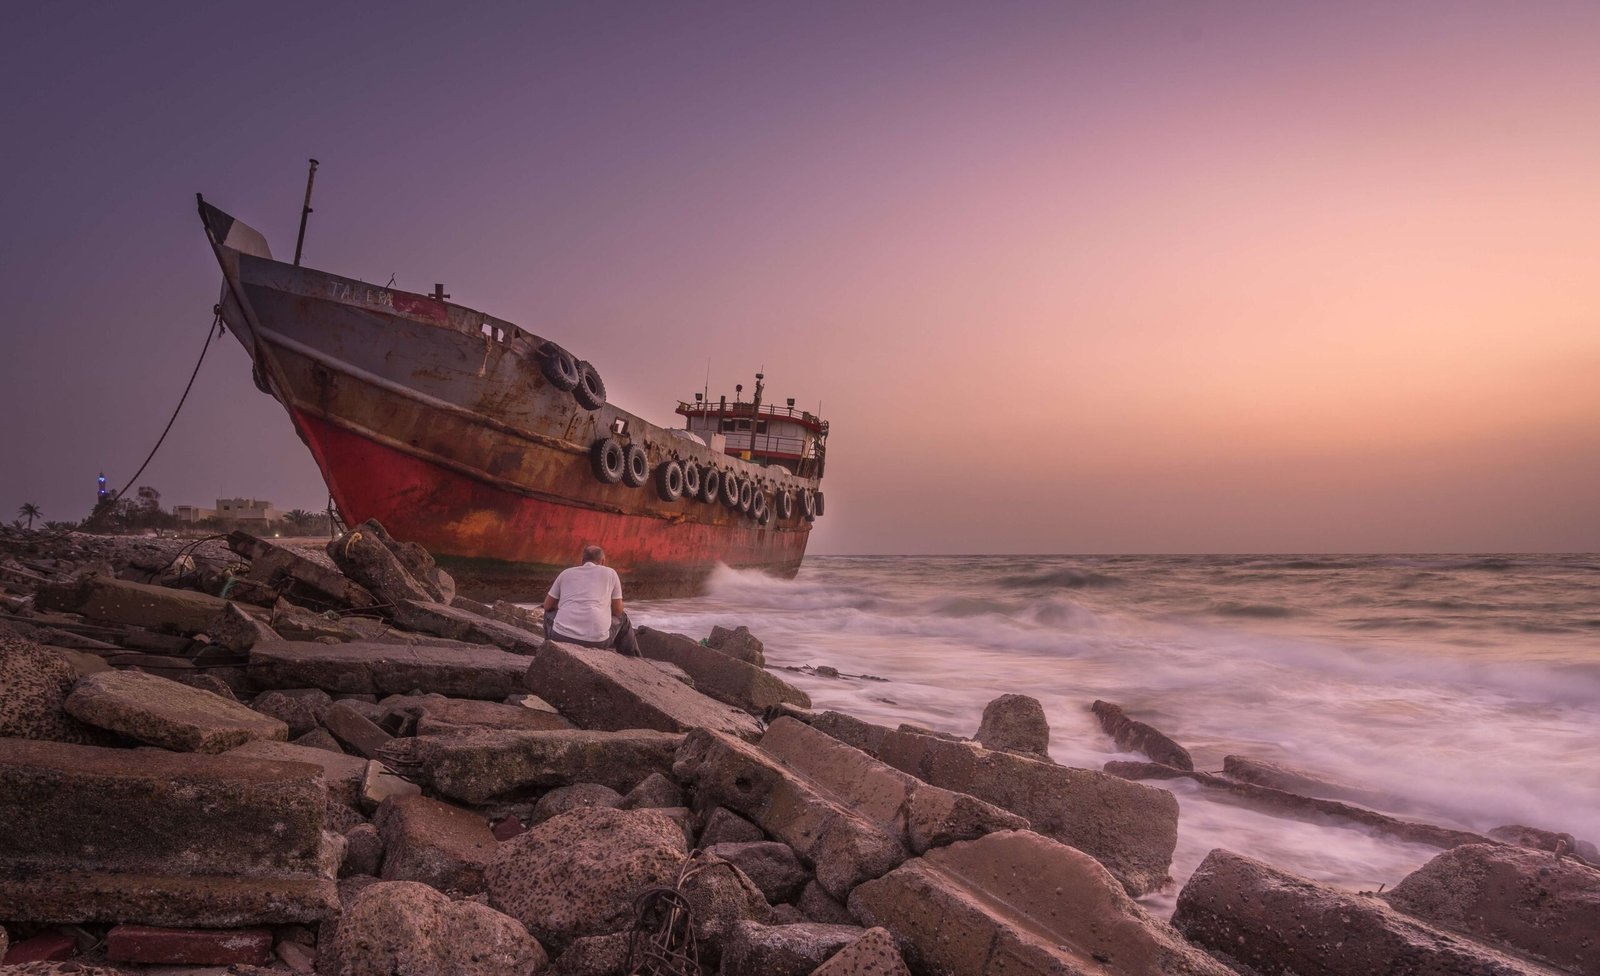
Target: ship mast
pixel 755 414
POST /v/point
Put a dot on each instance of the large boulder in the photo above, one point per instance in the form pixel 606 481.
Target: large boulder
pixel 1019 903
pixel 476 767
pixel 37 681
pixel 728 680
pixel 1015 723
pixel 166 713
pixel 401 928
pixel 564 798
pixel 434 843
pixel 1523 900
pixel 578 874
pixel 739 643
pixel 299 577
pixel 1256 915
pixel 600 689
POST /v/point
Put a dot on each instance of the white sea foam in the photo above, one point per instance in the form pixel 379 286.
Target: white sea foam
pixel 1487 716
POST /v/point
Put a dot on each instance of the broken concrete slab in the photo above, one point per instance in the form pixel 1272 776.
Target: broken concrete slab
pixel 342 774
pixel 1521 900
pixel 115 601
pixel 1020 903
pixel 371 557
pixel 300 577
pixel 440 620
pixel 401 927
pixel 440 845
pixel 166 713
pixel 1293 804
pixel 774 867
pixel 237 631
pixel 754 949
pixel 362 667
pixel 1140 737
pixel 177 838
pixel 1271 920
pixel 355 731
pixel 1133 832
pixel 738 643
pixel 842 847
pixel 600 689
pixel 873 954
pixel 728 680
pixel 1015 723
pixel 477 767
pixel 923 815
pixel 379 783
pixel 301 709
pixel 438 715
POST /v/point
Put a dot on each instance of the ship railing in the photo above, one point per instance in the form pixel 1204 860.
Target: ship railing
pixel 719 409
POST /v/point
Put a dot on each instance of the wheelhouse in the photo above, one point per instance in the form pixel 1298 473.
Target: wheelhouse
pixel 763 433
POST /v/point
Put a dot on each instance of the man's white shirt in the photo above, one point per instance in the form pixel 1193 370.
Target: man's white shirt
pixel 584 594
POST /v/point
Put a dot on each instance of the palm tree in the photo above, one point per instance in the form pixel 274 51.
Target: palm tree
pixel 299 518
pixel 30 511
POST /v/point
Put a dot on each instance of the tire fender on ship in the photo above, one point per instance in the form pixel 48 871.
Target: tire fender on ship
pixel 558 366
pixel 819 503
pixel 730 489
pixel 758 507
pixel 691 479
pixel 590 390
pixel 784 502
pixel 747 495
pixel 669 481
pixel 710 484
pixel 808 506
pixel 607 457
pixel 635 466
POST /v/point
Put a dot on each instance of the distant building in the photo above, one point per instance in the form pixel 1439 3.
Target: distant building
pixel 230 509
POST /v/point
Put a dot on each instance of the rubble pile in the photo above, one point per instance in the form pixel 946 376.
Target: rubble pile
pixel 230 756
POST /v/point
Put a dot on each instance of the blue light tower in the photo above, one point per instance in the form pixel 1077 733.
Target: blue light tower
pixel 100 496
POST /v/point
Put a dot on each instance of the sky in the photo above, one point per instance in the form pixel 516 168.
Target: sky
pixel 1064 277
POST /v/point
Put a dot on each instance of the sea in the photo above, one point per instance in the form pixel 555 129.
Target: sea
pixel 1465 688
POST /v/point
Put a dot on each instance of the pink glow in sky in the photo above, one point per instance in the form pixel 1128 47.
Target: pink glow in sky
pixel 1064 277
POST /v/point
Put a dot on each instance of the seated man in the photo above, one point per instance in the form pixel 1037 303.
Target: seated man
pixel 584 607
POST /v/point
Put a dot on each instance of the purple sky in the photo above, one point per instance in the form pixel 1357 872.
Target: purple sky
pixel 1064 277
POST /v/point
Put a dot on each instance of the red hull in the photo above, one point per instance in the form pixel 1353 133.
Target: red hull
pixel 518 542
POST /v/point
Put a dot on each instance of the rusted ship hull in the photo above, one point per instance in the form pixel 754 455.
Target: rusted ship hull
pixel 438 421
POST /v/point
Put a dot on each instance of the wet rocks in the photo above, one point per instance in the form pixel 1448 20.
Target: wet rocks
pixel 578 873
pixel 1015 723
pixel 849 817
pixel 1139 737
pixel 362 667
pixel 728 680
pixel 1133 832
pixel 179 838
pixel 434 843
pixel 476 767
pixel 1021 903
pixel 599 689
pixel 1257 915
pixel 168 714
pixel 1280 776
pixel 1521 900
pixel 395 927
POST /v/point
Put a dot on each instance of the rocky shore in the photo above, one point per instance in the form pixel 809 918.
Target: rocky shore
pixel 235 756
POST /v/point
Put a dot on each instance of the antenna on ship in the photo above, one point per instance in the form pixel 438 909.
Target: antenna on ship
pixel 305 212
